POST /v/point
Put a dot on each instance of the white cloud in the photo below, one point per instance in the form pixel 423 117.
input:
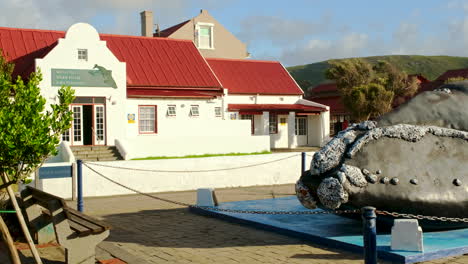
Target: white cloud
pixel 59 14
pixel 280 31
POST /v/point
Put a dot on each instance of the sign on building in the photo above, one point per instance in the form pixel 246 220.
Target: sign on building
pixel 96 77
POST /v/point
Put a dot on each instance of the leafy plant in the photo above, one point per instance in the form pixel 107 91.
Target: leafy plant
pixel 368 91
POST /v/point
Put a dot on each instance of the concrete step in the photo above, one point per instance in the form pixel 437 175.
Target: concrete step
pixel 96 153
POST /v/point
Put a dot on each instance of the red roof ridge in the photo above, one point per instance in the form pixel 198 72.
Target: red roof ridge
pixel 243 60
pixel 100 34
pixel 143 37
pixel 32 29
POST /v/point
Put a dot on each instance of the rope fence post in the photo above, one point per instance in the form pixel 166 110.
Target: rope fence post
pixel 303 162
pixel 79 169
pixel 369 234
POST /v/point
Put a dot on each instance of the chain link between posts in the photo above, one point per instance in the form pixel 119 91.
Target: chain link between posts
pixel 194 171
pixel 311 212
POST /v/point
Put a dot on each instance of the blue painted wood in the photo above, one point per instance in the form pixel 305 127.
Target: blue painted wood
pixel 369 234
pixel 337 232
pixel 55 172
pixel 79 183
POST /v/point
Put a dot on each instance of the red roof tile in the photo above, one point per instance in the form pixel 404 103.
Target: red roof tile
pixel 254 77
pixel 453 74
pixel 169 92
pixel 325 87
pixel 22 46
pixel 275 107
pixel 334 102
pixel 151 62
pixel 168 31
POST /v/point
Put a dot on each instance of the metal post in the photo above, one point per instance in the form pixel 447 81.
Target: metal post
pixel 369 234
pixel 79 168
pixel 73 169
pixel 303 163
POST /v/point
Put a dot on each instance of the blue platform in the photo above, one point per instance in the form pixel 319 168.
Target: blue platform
pixel 337 232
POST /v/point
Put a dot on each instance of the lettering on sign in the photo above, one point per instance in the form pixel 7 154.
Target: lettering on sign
pixel 55 172
pixel 96 77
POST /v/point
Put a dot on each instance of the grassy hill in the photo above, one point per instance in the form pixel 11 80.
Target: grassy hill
pixel 429 66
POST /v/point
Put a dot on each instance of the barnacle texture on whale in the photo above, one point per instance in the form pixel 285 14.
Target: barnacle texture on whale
pixel 412 160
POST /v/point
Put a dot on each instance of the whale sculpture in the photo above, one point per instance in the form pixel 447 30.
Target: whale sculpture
pixel 413 160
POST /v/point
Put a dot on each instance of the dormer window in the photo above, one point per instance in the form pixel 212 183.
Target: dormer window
pixel 83 54
pixel 205 36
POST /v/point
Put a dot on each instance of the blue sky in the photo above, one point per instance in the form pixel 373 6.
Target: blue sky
pixel 293 32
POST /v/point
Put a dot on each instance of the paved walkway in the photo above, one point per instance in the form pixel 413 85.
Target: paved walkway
pixel 150 231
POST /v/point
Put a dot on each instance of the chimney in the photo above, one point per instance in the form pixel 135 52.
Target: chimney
pixel 146 23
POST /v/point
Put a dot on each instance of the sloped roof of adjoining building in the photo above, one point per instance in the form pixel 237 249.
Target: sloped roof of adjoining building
pixel 152 63
pixel 241 76
pixel 276 107
pixel 334 102
pixel 325 87
pixel 168 31
pixel 453 74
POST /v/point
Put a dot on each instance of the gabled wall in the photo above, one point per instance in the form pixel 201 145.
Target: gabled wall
pixel 226 45
pixel 65 56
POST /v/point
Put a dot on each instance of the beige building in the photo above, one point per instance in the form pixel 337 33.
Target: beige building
pixel 211 38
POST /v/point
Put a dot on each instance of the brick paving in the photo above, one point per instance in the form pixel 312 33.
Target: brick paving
pixel 158 232
pixel 150 231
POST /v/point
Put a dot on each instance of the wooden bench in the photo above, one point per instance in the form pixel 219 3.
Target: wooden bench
pixel 78 233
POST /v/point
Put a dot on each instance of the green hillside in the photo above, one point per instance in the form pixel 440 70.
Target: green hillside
pixel 429 66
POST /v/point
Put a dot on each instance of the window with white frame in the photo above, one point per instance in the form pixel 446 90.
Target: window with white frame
pixel 205 36
pixel 83 54
pixel 273 123
pixel 147 119
pixel 301 126
pixel 218 111
pixel 194 110
pixel 66 136
pixel 171 110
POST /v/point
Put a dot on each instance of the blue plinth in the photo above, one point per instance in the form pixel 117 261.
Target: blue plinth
pixel 337 232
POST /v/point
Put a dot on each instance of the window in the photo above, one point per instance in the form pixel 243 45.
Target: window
pixel 251 118
pixel 273 124
pixel 301 126
pixel 205 36
pixel 66 136
pixel 218 111
pixel 83 54
pixel 194 110
pixel 171 110
pixel 147 119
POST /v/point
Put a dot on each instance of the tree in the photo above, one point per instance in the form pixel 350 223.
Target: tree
pixel 368 91
pixel 29 133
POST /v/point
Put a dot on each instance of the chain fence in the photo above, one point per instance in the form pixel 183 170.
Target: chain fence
pixel 275 212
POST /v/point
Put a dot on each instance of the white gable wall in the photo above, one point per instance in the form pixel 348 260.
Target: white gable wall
pixel 65 56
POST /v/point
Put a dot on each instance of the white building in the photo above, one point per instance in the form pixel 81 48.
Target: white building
pixel 159 97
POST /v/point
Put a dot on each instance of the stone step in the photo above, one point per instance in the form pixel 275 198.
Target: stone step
pixel 101 151
pixel 96 153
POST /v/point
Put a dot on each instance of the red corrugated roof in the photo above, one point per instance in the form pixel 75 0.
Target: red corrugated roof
pixel 151 62
pixel 22 46
pixel 275 107
pixel 168 31
pixel 254 77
